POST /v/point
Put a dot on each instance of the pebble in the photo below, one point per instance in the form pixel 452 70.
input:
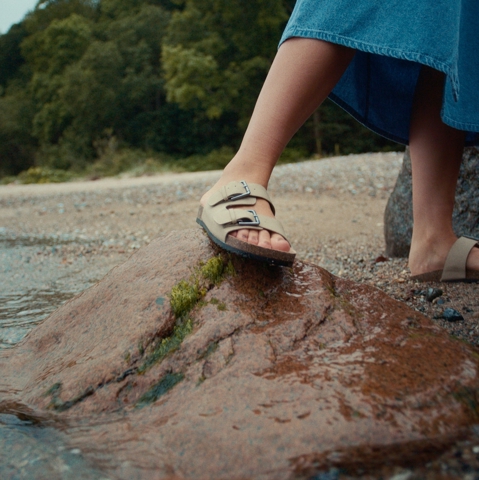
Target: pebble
pixel 402 476
pixel 452 315
pixel 433 293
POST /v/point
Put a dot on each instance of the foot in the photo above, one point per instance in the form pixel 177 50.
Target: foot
pixel 431 256
pixel 261 238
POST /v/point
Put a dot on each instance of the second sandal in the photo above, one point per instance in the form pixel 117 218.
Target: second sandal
pixel 455 267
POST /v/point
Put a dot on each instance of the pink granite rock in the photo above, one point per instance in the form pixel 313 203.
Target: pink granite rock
pixel 273 373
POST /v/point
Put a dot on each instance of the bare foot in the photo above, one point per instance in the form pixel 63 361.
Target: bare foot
pixel 427 257
pixel 261 238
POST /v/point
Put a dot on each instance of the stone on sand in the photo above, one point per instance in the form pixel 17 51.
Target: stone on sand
pixel 398 213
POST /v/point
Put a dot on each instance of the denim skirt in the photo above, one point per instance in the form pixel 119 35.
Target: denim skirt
pixel 393 38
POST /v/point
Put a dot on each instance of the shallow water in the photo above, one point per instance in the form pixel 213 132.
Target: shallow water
pixel 37 276
pixel 28 450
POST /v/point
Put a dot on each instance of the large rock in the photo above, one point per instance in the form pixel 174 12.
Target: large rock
pixel 398 214
pixel 184 363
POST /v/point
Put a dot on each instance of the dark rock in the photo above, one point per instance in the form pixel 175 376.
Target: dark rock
pixel 433 293
pixel 184 363
pixel 398 214
pixel 452 315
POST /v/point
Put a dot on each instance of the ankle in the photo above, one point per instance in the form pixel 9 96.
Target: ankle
pixel 428 253
pixel 252 168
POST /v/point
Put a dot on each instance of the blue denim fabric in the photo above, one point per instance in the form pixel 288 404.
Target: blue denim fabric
pixel 394 38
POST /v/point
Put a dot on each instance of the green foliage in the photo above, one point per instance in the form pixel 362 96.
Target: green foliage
pixel 215 160
pixel 171 81
pixel 11 59
pixel 62 43
pixel 17 145
pixel 44 175
pixel 212 64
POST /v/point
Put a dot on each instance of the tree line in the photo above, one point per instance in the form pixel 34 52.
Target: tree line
pixel 173 76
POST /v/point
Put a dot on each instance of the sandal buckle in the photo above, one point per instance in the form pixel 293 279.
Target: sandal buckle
pixel 241 195
pixel 251 223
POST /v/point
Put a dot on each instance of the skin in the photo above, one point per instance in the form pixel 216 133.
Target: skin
pixel 302 75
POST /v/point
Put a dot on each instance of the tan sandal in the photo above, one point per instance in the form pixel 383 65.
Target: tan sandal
pixel 455 267
pixel 218 220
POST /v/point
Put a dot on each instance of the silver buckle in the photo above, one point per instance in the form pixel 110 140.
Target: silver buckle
pixel 251 223
pixel 241 195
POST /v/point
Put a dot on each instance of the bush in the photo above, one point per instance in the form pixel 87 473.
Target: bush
pixel 44 175
pixel 215 160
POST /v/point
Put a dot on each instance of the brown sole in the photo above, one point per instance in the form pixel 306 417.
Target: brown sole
pixel 472 276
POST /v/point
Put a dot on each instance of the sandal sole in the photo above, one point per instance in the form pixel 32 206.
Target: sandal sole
pixel 252 252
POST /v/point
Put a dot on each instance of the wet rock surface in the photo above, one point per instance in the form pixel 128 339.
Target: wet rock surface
pixel 398 214
pixel 186 363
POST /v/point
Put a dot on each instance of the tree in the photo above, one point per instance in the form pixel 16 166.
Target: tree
pixel 11 59
pixel 217 52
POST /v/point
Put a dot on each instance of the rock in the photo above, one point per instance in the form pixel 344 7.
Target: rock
pixel 184 363
pixel 433 293
pixel 398 214
pixel 452 315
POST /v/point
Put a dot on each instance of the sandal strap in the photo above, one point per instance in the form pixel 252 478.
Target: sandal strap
pixel 231 219
pixel 455 266
pixel 240 192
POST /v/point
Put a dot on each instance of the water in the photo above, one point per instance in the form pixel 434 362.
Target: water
pixel 22 311
pixel 37 275
pixel 31 451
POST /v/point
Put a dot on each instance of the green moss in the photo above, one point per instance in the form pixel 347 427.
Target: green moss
pixel 229 269
pixel 332 290
pixel 212 347
pixel 56 403
pixel 220 305
pixel 53 390
pixel 213 270
pixel 183 297
pixel 168 345
pixel 161 388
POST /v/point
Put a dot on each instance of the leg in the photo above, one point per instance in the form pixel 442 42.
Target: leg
pixel 302 75
pixel 436 154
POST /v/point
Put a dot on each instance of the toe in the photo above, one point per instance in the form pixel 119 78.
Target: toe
pixel 253 237
pixel 242 235
pixel 279 243
pixel 264 239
